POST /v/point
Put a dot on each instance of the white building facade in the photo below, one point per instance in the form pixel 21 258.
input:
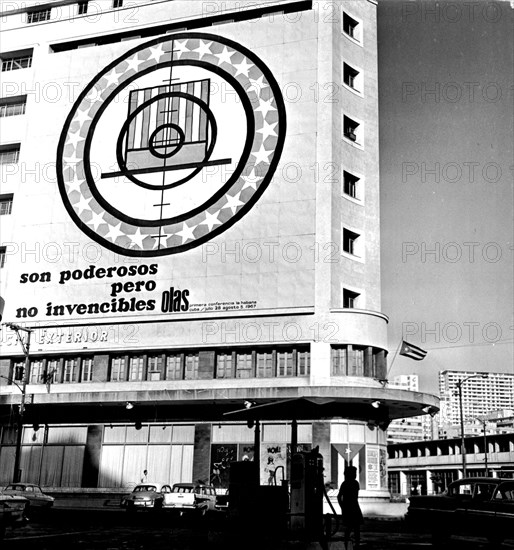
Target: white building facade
pixel 190 220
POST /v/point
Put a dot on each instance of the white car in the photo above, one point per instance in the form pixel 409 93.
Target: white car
pixel 146 495
pixel 191 497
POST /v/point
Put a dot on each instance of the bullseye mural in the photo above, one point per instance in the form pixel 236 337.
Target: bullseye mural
pixel 171 144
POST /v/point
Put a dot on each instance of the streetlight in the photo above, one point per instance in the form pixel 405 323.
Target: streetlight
pixel 26 350
pixel 462 444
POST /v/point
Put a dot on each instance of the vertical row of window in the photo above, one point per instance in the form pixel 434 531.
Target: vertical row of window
pixel 10 107
pixel 353 132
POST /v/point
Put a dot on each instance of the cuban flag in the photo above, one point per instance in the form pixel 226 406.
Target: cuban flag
pixel 412 351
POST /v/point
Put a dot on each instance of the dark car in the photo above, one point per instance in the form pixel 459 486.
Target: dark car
pixel 37 500
pixel 476 506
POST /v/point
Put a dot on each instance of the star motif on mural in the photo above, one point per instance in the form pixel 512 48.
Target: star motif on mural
pixel 225 56
pixel 186 233
pixel 82 204
pixel 81 117
pixel 112 78
pixel 133 63
pixel 137 238
pixel 265 107
pixel 96 220
pixel 156 52
pixel 250 180
pixel 74 139
pixel 257 84
pixel 180 48
pixel 233 202
pixel 243 67
pixel 211 220
pixel 203 49
pixel 114 232
pixel 262 155
pixel 267 130
pixel 74 185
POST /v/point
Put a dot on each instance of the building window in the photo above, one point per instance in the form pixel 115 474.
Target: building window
pixel 2 256
pixel 136 366
pixel 350 26
pixel 224 365
pixel 191 366
pixel 349 241
pixel 70 370
pixel 339 363
pixel 18 369
pixel 6 204
pixel 244 365
pixel 285 364
pixel 304 363
pixel 52 371
pixel 16 60
pixel 355 361
pixel 87 369
pixel 350 184
pixel 12 106
pixel 154 367
pixel 174 367
pixel 9 154
pixel 36 372
pixel 264 364
pixel 351 130
pixel 350 298
pixel 117 3
pixel 118 369
pixel 38 16
pixel 351 77
pixel 82 8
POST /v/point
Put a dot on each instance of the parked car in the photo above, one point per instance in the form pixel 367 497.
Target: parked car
pixel 12 509
pixel 146 495
pixel 191 498
pixel 37 500
pixel 478 506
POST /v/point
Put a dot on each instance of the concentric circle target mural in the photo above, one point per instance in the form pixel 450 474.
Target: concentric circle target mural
pixel 171 144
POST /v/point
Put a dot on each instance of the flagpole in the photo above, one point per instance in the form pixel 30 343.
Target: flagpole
pixel 396 353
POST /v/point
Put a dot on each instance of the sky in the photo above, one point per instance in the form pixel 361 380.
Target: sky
pixel 446 168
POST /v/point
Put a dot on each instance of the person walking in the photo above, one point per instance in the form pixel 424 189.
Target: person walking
pixel 144 479
pixel 348 498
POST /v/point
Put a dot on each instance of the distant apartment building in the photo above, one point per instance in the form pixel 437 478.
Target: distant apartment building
pixel 484 399
pixel 416 428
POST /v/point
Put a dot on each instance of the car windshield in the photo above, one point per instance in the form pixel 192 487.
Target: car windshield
pixel 142 488
pixel 15 488
pixel 183 489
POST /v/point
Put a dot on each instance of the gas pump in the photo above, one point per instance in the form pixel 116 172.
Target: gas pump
pixel 307 491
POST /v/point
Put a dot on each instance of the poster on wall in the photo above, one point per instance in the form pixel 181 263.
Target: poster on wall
pixel 169 146
pixel 273 463
pixel 372 468
pixel 221 457
pixel 383 468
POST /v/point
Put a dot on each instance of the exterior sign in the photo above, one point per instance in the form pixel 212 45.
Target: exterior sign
pixel 152 161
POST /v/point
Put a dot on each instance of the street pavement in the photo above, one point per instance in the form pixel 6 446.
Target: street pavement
pixel 111 529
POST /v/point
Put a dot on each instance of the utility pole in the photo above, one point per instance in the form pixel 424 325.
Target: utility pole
pixel 26 368
pixel 460 383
